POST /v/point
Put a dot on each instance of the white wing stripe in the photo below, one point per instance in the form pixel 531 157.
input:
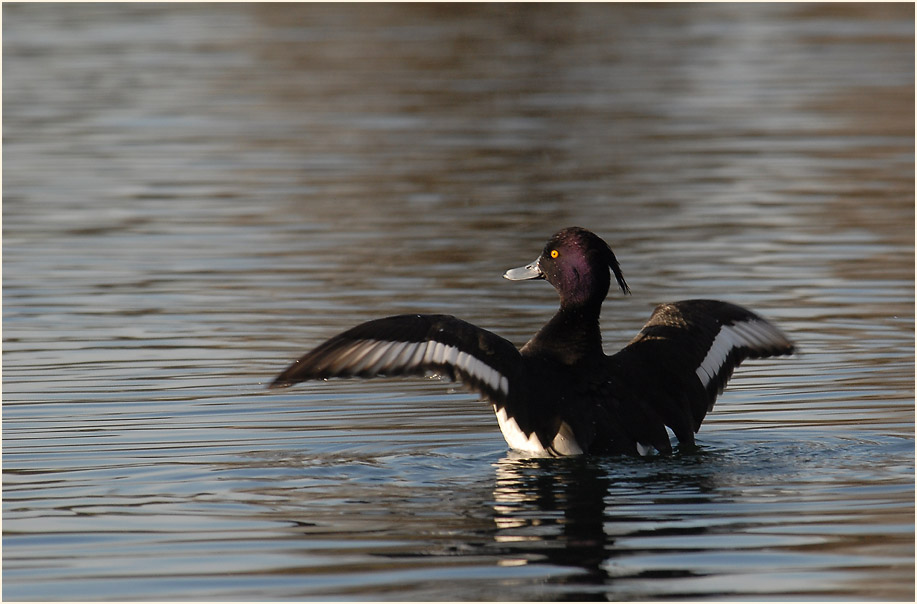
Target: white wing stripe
pixel 469 364
pixel 389 354
pixel 451 355
pixel 378 357
pixel 487 375
pixel 375 356
pixel 723 343
pixel 403 359
pixel 767 335
pixel 461 361
pixel 435 352
pixel 754 335
pixel 441 351
pixel 420 351
pixel 751 334
pixel 354 360
pixel 428 353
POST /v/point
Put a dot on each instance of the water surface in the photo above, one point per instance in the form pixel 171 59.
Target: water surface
pixel 195 195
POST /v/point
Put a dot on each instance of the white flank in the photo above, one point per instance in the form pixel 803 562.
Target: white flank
pixel 645 450
pixel 564 442
pixel 515 437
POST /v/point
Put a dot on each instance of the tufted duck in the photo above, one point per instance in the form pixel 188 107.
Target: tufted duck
pixel 560 394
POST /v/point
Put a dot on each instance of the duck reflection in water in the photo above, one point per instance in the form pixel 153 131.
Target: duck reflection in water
pixel 568 512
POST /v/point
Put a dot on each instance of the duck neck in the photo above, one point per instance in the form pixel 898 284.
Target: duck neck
pixel 571 335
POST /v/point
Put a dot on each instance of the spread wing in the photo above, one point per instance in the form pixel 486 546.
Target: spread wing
pixel 414 345
pixel 682 358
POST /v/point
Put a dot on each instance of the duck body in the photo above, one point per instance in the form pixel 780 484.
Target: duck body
pixel 560 394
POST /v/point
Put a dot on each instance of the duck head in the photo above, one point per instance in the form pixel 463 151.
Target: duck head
pixel 578 263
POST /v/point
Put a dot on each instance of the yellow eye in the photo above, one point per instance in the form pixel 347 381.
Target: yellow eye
pixel 554 253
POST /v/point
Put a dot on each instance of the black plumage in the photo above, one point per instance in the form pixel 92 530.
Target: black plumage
pixel 560 394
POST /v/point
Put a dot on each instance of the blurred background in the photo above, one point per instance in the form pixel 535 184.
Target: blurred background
pixel 196 194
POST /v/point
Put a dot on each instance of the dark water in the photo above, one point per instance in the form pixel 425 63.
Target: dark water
pixel 193 195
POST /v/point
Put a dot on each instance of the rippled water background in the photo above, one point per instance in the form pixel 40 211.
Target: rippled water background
pixel 194 195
